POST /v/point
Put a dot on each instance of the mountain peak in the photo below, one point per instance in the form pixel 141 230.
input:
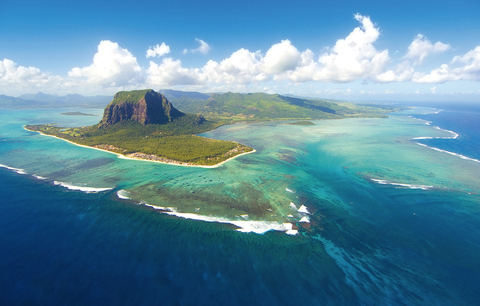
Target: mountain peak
pixel 145 106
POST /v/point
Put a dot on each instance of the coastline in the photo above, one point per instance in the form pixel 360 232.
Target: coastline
pixel 121 156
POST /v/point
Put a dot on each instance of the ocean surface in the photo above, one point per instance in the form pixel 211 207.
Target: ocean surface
pixel 345 212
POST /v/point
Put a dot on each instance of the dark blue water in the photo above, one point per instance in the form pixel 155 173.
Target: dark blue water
pixel 463 119
pixel 61 247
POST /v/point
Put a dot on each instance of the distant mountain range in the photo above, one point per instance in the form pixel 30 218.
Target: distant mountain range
pixel 259 106
pixel 171 94
pixel 41 100
pixel 262 106
pixel 230 106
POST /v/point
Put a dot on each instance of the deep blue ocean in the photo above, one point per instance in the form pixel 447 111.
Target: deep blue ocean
pixel 463 119
pixel 66 247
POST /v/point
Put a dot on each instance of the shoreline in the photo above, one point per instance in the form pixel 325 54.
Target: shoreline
pixel 121 156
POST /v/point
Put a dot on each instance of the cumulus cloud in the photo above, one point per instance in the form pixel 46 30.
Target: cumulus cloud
pixel 355 56
pixel 112 66
pixel 16 78
pixel 242 67
pixel 170 72
pixel 403 72
pixel 158 50
pixel 204 48
pixel 351 58
pixel 421 47
pixel 11 72
pixel 471 62
pixel 465 67
pixel 281 57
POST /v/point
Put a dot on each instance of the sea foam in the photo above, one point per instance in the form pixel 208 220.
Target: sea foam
pixel 245 226
pixel 305 219
pixel 303 209
pixel 123 194
pixel 409 186
pixel 19 171
pixel 81 188
pixel 448 152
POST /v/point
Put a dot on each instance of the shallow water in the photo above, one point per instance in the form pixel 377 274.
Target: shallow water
pixel 389 221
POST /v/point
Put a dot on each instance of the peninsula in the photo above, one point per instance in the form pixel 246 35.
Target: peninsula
pixel 143 124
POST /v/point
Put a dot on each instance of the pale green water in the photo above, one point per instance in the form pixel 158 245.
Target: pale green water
pixel 313 161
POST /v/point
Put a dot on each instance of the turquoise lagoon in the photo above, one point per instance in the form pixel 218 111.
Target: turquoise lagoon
pixel 357 211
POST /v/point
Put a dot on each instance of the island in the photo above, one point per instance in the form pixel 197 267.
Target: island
pixel 304 122
pixel 143 124
pixel 76 114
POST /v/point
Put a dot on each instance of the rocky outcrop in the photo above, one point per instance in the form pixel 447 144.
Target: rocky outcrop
pixel 144 106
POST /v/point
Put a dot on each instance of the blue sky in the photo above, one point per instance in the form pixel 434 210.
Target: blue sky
pixel 351 50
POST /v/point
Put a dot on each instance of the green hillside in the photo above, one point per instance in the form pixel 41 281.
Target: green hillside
pixel 261 106
pixel 129 96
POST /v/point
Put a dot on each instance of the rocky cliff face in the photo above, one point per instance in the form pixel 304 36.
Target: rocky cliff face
pixel 144 106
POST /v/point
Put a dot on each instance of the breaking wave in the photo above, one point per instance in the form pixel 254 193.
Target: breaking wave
pixel 81 188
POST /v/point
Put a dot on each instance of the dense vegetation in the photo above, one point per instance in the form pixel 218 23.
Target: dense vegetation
pixel 172 142
pixel 129 96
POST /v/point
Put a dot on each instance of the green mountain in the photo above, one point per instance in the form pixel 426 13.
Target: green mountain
pixel 12 102
pixel 261 106
pixel 144 106
pixel 70 99
pixel 41 100
pixel 177 94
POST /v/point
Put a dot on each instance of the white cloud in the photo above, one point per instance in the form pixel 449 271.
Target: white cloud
pixel 204 48
pixel 355 56
pixel 19 79
pixel 242 67
pixel 158 50
pixel 403 72
pixel 281 57
pixel 471 61
pixel 465 67
pixel 112 66
pixel 421 47
pixel 433 90
pixel 11 73
pixel 351 58
pixel 170 72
